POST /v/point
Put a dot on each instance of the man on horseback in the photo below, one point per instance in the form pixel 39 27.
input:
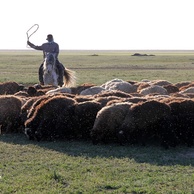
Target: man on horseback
pixel 49 47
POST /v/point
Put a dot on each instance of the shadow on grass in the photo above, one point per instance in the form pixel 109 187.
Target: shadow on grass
pixel 151 154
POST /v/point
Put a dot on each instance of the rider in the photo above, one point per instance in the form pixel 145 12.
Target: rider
pixel 49 47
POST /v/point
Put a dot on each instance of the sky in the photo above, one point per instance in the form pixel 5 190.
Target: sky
pixel 99 24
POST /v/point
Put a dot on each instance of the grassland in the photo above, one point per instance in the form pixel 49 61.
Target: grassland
pixel 100 66
pixel 28 167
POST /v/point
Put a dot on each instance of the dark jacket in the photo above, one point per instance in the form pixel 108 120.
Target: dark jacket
pixel 48 47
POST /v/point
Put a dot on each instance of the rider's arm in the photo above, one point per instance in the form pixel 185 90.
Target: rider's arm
pixel 33 46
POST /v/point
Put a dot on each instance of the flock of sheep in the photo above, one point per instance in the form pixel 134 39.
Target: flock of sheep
pixel 118 111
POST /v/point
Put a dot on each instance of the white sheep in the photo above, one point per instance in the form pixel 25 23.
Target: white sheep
pixel 59 90
pixel 154 89
pixel 118 84
pixel 188 90
pixel 93 90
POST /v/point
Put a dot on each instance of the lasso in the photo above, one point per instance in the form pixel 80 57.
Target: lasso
pixel 33 29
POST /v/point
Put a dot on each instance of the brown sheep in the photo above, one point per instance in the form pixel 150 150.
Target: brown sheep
pixel 44 88
pixel 113 93
pixel 27 106
pixel 182 111
pixel 161 82
pixel 29 92
pixel 131 100
pixel 80 98
pixel 22 94
pixel 76 121
pixel 10 107
pixel 148 120
pixel 84 117
pixel 35 104
pixel 10 88
pixel 171 88
pixel 142 85
pixel 182 84
pixel 108 121
pixel 43 124
pixel 186 86
pixel 105 100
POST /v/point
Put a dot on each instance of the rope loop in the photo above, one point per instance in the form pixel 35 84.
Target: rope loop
pixel 32 30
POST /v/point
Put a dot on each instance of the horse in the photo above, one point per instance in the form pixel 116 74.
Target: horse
pixel 51 75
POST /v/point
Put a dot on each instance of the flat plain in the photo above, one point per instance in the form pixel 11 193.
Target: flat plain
pixel 100 66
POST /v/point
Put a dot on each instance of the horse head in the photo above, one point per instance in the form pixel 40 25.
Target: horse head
pixel 50 70
pixel 49 62
pixel 49 58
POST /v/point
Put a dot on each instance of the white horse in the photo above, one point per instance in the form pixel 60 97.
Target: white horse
pixel 50 72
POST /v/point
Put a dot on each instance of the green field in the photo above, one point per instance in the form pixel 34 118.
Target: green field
pixel 77 167
pixel 100 66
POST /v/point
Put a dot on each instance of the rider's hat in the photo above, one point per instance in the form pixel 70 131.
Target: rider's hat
pixel 49 37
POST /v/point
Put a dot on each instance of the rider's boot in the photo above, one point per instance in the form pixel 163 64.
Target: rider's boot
pixel 41 74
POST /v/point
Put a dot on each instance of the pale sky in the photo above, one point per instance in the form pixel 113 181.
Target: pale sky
pixel 100 24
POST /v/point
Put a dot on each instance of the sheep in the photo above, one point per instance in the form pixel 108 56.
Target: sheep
pixel 27 106
pixel 161 82
pixel 77 121
pixel 10 119
pixel 131 82
pixel 182 111
pixel 92 90
pixel 118 84
pixel 187 90
pixel 42 125
pixel 31 91
pixel 83 98
pixel 186 86
pixel 142 85
pixel 10 88
pixel 59 90
pixel 23 94
pixel 109 83
pixel 79 89
pixel 147 120
pixel 113 93
pixel 171 88
pixel 108 122
pixel 178 95
pixel 35 104
pixel 105 100
pixel 182 84
pixel 154 89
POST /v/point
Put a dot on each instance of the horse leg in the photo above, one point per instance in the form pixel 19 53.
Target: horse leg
pixel 55 78
pixel 60 69
pixel 41 74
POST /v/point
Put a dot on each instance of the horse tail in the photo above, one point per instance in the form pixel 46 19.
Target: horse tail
pixel 70 78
